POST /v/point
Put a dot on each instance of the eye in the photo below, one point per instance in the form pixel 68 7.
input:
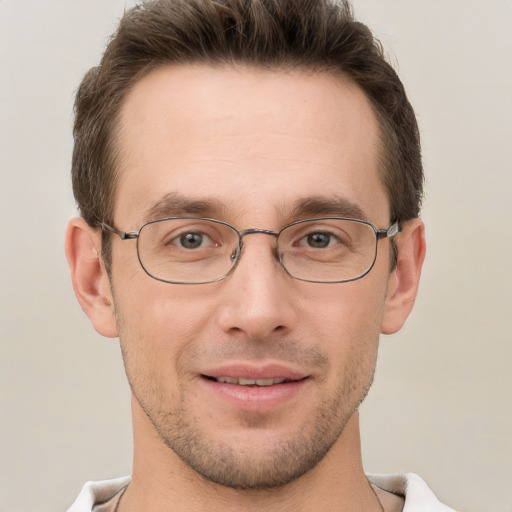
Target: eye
pixel 317 240
pixel 321 236
pixel 192 240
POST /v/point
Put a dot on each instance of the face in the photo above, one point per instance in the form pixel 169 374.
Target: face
pixel 255 149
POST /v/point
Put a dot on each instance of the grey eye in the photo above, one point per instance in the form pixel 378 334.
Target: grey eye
pixel 191 240
pixel 319 240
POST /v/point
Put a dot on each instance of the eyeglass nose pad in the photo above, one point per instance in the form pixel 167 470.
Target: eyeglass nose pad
pixel 234 255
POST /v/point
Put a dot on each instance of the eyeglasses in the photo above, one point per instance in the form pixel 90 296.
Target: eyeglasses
pixel 192 250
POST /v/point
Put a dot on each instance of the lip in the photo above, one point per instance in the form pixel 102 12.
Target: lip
pixel 248 371
pixel 254 398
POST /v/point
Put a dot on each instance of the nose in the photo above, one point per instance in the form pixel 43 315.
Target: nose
pixel 259 293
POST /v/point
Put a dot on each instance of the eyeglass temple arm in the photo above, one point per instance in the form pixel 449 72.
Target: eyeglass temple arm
pixel 393 230
pixel 123 235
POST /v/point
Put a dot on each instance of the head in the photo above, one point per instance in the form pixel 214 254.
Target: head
pixel 312 35
pixel 257 114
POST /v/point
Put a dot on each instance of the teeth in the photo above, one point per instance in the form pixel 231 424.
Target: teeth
pixel 250 382
pixel 229 380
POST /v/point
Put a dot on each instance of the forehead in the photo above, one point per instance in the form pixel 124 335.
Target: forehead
pixel 248 140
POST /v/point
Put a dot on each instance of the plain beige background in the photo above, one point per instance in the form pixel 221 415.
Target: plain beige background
pixel 441 403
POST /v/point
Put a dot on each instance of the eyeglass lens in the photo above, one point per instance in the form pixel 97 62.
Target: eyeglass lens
pixel 192 250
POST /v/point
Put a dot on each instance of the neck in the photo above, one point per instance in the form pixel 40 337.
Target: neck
pixel 161 481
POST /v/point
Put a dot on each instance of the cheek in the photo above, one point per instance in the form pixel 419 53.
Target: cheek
pixel 346 320
pixel 158 324
pixel 346 308
pixel 160 311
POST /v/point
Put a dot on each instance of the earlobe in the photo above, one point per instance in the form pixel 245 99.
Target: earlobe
pixel 404 280
pixel 88 275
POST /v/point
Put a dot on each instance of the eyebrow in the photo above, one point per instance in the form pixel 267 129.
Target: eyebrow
pixel 335 206
pixel 175 205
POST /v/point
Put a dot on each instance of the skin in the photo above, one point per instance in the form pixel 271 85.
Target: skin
pixel 257 142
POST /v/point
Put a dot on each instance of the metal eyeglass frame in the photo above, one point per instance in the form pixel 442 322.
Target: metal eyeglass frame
pixel 390 232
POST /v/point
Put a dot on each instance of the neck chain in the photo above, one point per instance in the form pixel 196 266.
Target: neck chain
pixel 374 493
pixel 123 490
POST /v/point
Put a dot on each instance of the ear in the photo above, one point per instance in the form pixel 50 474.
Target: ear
pixel 89 277
pixel 404 280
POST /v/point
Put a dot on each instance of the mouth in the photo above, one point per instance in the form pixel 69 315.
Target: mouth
pixel 255 388
pixel 241 381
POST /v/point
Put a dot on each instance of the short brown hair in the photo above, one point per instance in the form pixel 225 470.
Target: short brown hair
pixel 307 34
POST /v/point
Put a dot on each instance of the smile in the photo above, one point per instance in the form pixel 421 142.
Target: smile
pixel 258 394
pixel 250 382
pixel 258 388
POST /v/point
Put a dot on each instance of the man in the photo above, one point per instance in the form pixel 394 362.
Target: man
pixel 249 180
